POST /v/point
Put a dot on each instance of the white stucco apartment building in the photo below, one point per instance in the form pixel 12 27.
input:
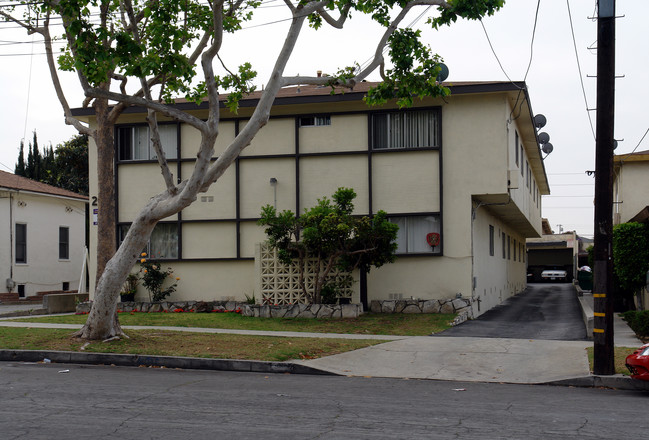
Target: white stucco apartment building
pixel 43 234
pixel 467 167
pixel 631 180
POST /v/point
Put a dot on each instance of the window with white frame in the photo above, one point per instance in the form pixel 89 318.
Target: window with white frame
pixel 163 244
pixel 134 142
pixel 64 243
pixel 413 234
pixel 406 129
pixel 315 121
pixel 21 243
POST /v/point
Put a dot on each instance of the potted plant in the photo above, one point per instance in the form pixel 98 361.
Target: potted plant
pixel 129 289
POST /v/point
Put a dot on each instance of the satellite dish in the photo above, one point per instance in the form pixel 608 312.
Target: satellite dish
pixel 614 144
pixel 443 74
pixel 544 138
pixel 540 121
pixel 547 148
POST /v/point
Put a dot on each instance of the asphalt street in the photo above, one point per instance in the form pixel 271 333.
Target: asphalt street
pixel 543 311
pixel 60 401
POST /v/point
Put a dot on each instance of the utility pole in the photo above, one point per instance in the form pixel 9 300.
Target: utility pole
pixel 603 253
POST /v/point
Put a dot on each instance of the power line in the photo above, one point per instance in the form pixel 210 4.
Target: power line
pixel 581 79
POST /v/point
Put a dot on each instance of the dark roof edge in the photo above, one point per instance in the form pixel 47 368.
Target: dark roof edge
pixel 461 89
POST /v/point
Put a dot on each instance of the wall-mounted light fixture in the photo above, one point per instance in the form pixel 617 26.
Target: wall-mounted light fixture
pixel 273 183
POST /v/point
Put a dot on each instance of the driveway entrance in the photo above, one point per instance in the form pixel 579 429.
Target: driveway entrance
pixel 542 311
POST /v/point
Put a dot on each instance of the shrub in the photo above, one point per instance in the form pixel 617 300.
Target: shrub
pixel 153 278
pixel 638 320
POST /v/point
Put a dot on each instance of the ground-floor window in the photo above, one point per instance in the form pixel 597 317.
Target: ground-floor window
pixel 64 243
pixel 416 232
pixel 163 243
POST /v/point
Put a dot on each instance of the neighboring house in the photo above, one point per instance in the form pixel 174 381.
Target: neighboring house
pixel 631 196
pixel 467 167
pixel 43 230
pixel 631 180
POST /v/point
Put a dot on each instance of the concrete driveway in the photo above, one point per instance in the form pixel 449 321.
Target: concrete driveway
pixel 542 311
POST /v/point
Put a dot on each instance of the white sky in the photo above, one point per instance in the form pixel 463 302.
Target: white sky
pixel 29 102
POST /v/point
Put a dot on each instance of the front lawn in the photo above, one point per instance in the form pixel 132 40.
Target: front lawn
pixel 620 355
pixel 172 343
pixel 369 323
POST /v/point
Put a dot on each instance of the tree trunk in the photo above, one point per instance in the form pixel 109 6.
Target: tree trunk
pixel 106 222
pixel 100 325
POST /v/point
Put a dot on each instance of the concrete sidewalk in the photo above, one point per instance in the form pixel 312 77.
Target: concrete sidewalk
pixel 520 361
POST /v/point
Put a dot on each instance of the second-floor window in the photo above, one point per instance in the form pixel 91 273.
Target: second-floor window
pixel 315 121
pixel 406 129
pixel 134 142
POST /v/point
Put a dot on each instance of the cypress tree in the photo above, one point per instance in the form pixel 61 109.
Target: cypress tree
pixel 19 170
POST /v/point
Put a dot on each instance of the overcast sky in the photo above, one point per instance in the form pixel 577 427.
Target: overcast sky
pixel 29 102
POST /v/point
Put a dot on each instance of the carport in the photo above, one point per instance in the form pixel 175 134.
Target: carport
pixel 543 255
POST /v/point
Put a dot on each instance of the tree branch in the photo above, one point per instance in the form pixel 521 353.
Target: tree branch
pixel 151 118
pixel 338 24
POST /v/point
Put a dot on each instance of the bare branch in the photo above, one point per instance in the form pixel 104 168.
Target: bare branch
pixel 152 119
pixel 290 6
pixel 261 113
pixel 137 101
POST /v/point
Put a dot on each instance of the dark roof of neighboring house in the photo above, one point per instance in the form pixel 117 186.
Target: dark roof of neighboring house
pixel 642 216
pixel 18 183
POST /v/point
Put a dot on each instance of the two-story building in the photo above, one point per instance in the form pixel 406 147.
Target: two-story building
pixel 467 167
pixel 43 231
pixel 631 199
pixel 631 178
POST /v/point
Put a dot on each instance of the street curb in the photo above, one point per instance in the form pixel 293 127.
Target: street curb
pixel 618 382
pixel 136 360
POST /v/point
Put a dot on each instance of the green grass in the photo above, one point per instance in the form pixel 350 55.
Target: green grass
pixel 369 324
pixel 172 343
pixel 620 355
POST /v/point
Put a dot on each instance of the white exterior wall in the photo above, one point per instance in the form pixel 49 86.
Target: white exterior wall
pixel 43 215
pixel 631 193
pixel 476 154
pixel 497 277
pixel 6 231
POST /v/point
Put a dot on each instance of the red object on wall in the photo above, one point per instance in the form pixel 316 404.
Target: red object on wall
pixel 433 239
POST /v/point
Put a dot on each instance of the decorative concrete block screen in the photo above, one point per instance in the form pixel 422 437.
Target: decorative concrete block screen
pixel 278 283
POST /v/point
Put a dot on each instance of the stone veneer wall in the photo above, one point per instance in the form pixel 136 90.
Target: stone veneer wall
pixel 461 306
pixel 253 310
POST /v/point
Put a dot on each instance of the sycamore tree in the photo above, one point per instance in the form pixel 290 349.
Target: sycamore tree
pixel 149 52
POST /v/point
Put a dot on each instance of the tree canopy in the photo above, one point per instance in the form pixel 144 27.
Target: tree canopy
pixel 64 167
pixel 631 255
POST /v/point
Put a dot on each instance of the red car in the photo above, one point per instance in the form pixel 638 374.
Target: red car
pixel 638 363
